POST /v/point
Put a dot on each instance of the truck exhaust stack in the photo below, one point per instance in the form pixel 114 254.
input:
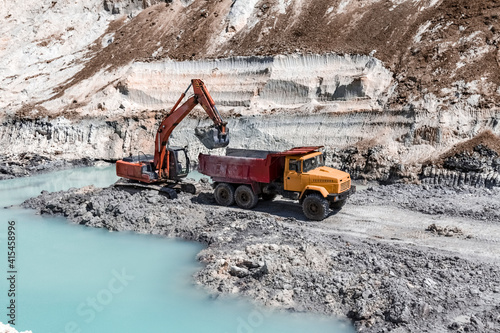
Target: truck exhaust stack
pixel 211 137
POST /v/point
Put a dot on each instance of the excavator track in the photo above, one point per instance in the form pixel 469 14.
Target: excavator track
pixel 168 188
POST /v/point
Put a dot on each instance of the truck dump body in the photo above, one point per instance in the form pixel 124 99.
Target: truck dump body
pixel 247 166
pixel 243 166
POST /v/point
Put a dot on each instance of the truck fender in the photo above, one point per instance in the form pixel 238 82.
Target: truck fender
pixel 256 188
pixel 314 188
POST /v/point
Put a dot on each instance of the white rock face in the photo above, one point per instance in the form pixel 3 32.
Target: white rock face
pixel 241 10
pixel 406 137
pixel 255 84
pixel 248 84
pixel 40 43
pixel 7 329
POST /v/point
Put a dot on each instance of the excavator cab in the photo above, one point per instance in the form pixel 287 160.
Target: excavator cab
pixel 178 162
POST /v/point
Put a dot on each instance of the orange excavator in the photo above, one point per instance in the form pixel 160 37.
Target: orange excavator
pixel 171 164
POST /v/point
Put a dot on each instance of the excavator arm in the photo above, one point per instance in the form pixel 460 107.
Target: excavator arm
pixel 215 137
pixel 208 104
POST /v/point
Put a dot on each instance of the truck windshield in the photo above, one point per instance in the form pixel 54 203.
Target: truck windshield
pixel 313 162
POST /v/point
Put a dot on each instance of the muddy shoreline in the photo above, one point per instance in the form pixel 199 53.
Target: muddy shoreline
pixel 30 164
pixel 376 280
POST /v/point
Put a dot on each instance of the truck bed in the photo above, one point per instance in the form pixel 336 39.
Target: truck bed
pixel 245 166
pixel 248 153
pixel 242 166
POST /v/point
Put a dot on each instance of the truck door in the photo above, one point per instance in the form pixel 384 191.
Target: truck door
pixel 293 173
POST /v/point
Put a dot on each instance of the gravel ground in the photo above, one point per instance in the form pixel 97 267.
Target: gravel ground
pixel 334 267
pixel 464 201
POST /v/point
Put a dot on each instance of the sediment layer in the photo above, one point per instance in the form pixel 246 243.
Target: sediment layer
pixel 387 146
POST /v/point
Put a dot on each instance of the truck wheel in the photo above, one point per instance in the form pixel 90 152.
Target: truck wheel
pixel 315 207
pixel 268 196
pixel 224 194
pixel 337 205
pixel 245 198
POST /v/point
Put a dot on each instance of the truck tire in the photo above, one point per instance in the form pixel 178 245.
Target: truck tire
pixel 224 194
pixel 268 196
pixel 315 207
pixel 337 205
pixel 245 198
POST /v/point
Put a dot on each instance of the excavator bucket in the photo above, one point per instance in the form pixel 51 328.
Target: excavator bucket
pixel 211 137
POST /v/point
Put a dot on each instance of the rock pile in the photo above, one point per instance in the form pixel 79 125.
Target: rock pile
pixel 444 231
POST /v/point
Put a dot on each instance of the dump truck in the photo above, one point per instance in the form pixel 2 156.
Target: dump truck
pixel 243 176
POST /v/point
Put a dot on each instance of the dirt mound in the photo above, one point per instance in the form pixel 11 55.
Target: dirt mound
pixel 486 139
pixel 444 231
pixel 480 154
pixel 473 162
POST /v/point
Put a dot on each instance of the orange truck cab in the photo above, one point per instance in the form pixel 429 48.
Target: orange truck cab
pixel 307 174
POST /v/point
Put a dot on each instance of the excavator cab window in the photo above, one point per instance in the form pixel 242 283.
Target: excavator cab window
pixel 179 163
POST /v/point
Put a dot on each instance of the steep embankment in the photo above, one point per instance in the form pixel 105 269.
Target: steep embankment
pixel 384 85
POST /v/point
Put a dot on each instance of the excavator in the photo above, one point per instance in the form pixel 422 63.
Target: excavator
pixel 165 169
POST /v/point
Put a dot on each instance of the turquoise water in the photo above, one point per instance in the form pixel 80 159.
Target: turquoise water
pixel 196 175
pixel 77 279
